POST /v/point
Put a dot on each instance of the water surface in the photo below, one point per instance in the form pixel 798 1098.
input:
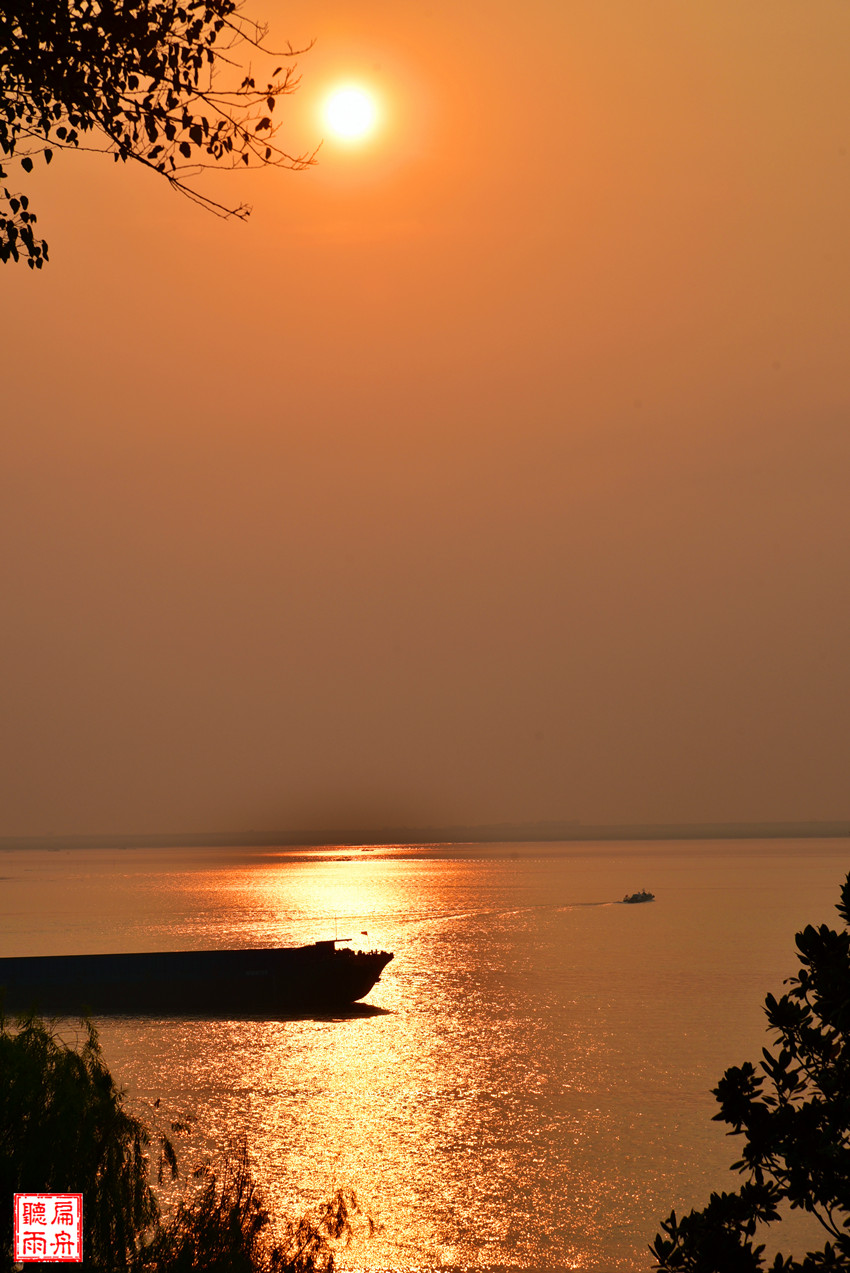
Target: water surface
pixel 535 1091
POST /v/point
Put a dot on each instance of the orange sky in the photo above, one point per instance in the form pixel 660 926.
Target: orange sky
pixel 497 470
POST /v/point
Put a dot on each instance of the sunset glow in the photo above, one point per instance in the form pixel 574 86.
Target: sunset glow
pixel 351 113
pixel 398 582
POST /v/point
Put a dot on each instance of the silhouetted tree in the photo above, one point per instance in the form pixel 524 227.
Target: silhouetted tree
pixel 794 1116
pixel 137 79
pixel 64 1129
pixel 227 1228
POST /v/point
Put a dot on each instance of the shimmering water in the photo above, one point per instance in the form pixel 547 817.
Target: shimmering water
pixel 535 1091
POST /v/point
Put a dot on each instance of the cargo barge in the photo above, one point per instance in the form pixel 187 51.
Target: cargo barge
pixel 279 981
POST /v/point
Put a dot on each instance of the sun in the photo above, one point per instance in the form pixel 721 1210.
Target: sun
pixel 351 113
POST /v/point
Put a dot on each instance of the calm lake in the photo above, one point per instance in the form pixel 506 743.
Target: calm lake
pixel 535 1090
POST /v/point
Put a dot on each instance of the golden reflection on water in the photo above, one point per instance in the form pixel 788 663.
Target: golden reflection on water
pixel 535 1092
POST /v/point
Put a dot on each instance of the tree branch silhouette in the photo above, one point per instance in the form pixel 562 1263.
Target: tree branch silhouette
pixel 794 1117
pixel 141 80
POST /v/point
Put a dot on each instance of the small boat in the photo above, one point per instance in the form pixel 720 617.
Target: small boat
pixel 250 982
pixel 643 896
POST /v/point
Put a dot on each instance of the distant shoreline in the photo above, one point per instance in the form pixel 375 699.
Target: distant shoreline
pixel 500 833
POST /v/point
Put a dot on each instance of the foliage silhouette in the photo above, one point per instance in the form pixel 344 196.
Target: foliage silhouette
pixel 227 1228
pixel 64 1128
pixel 138 79
pixel 794 1117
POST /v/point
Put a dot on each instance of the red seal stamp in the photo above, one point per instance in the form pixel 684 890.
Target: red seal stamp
pixel 48 1226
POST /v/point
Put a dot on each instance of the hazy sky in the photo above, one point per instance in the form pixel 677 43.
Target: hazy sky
pixel 497 470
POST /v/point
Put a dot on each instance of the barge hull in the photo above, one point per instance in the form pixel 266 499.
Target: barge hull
pixel 275 981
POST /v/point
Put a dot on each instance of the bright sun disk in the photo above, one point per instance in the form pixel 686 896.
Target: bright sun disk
pixel 351 113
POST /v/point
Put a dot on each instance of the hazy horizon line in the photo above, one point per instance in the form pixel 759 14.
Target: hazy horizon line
pixel 459 833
